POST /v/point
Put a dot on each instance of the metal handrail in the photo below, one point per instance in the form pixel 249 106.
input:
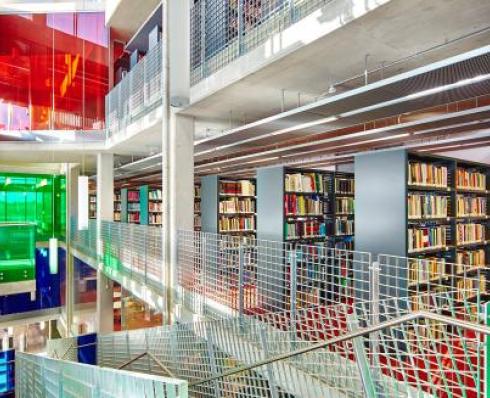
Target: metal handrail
pixel 350 336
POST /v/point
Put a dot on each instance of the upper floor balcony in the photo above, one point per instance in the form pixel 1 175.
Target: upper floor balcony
pixel 222 31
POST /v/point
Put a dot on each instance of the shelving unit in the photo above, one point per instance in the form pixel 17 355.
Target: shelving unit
pixel 92 205
pixel 117 205
pixel 155 206
pixel 130 206
pixel 228 206
pixel 439 204
pixel 304 209
pixel 197 206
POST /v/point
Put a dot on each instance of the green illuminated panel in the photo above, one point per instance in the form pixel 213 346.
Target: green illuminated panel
pixel 17 252
pixel 34 198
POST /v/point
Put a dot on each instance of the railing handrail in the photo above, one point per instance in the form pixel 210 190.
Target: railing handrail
pixel 414 316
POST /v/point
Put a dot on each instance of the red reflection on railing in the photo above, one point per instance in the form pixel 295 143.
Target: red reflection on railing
pixel 53 71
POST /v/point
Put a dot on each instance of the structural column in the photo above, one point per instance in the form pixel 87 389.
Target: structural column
pixel 105 212
pixel 73 171
pixel 177 141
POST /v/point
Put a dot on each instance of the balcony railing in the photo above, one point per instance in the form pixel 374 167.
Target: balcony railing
pixel 37 376
pixel 137 94
pixel 222 31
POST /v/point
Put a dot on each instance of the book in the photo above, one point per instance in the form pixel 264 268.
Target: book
pixel 423 238
pixel 303 182
pixel 427 174
pixel 470 179
pixel 428 205
pixel 470 233
pixel 469 206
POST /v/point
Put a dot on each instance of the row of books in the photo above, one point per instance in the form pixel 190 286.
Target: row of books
pixel 427 174
pixel 117 197
pixel 427 206
pixel 470 257
pixel 155 219
pixel 303 182
pixel 467 288
pixel 241 187
pixel 197 207
pixel 235 205
pixel 344 227
pixel 134 218
pixel 133 196
pixel 301 205
pixel 133 206
pixel 117 206
pixel 92 199
pixel 155 194
pixel 227 224
pixel 421 238
pixel 117 216
pixel 467 206
pixel 155 206
pixel 425 270
pixel 469 233
pixel 197 191
pixel 344 186
pixel 467 179
pixel 304 229
pixel 344 205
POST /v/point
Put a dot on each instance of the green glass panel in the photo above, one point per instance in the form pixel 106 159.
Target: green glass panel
pixel 37 199
pixel 17 252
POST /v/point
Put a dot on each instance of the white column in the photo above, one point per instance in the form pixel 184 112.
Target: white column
pixel 105 212
pixel 73 171
pixel 177 140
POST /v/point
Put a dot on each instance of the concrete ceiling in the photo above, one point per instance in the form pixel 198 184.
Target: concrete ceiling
pixel 391 32
pixel 126 16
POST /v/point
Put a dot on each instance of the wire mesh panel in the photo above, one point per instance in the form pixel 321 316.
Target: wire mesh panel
pixel 222 31
pixel 44 377
pixel 137 94
pixel 85 240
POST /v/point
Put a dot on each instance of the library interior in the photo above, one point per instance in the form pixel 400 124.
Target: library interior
pixel 245 198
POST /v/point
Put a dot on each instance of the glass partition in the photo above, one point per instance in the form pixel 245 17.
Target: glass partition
pixel 34 198
pixel 17 252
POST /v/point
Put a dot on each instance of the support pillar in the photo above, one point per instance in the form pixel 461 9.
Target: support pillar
pixel 177 142
pixel 105 212
pixel 73 171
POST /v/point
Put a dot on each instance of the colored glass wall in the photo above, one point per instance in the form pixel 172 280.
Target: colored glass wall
pixel 53 71
pixel 34 198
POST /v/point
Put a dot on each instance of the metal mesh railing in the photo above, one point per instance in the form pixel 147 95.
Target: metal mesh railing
pixel 406 354
pixel 38 376
pixel 84 240
pixel 222 31
pixel 137 94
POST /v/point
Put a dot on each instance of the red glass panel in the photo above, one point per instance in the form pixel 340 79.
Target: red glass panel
pixel 53 71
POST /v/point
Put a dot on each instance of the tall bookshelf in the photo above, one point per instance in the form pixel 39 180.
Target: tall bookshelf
pixel 428 208
pixel 117 205
pixel 197 206
pixel 307 210
pixel 155 206
pixel 130 205
pixel 92 205
pixel 228 206
pixel 306 206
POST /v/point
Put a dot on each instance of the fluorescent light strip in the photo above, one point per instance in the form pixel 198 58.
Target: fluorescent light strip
pixel 359 134
pixel 329 119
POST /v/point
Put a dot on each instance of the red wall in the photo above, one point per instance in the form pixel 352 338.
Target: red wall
pixel 53 71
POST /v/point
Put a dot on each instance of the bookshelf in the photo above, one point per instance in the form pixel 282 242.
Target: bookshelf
pixel 228 206
pixel 155 206
pixel 92 205
pixel 130 206
pixel 197 206
pixel 306 210
pixel 428 208
pixel 117 205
